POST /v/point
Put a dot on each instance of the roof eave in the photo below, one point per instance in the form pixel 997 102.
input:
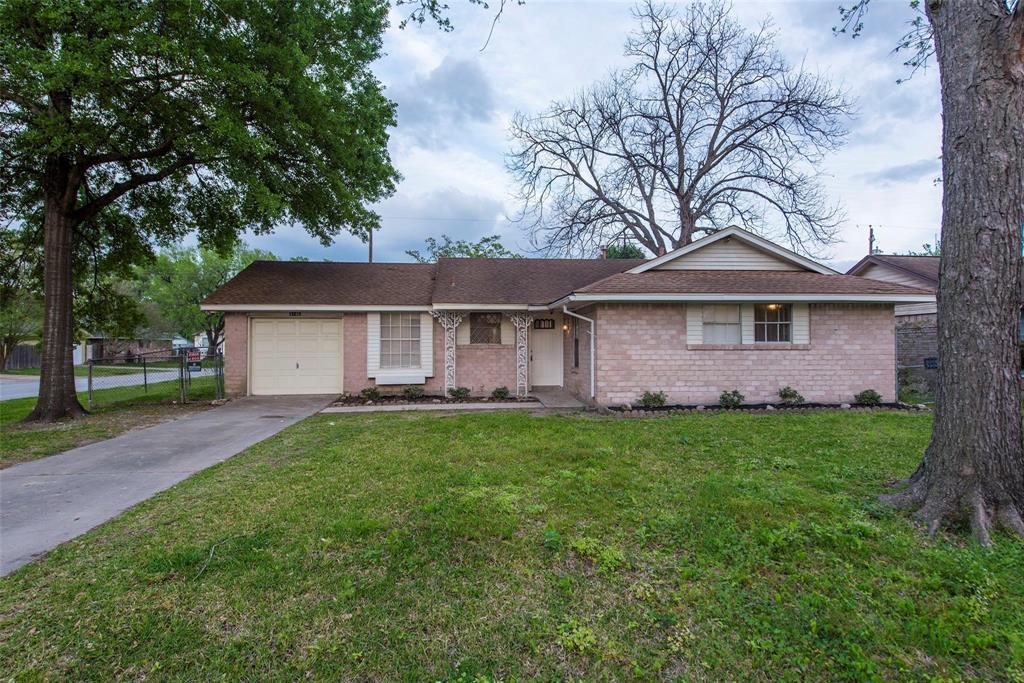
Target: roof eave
pixel 596 297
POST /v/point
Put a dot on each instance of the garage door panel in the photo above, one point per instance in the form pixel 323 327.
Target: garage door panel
pixel 296 356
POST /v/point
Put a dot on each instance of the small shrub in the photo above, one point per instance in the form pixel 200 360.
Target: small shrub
pixel 652 399
pixel 412 392
pixel 370 393
pixel 459 393
pixel 731 399
pixel 868 397
pixel 552 539
pixel 500 392
pixel 790 396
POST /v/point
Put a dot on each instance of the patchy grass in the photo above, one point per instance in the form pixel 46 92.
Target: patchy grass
pixel 426 547
pixel 117 410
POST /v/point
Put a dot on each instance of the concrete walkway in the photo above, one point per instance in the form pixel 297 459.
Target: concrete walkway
pixel 46 502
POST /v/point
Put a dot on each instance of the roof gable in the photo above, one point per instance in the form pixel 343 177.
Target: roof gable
pixel 921 270
pixel 732 249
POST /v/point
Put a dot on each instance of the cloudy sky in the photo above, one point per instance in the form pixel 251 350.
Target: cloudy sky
pixel 455 101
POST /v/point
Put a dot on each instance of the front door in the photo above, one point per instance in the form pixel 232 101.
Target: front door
pixel 546 351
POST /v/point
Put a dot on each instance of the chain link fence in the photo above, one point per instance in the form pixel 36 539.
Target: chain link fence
pixel 181 375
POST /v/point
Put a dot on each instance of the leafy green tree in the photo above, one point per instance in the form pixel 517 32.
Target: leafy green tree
pixel 487 247
pixel 928 249
pixel 129 124
pixel 180 279
pixel 626 250
pixel 21 310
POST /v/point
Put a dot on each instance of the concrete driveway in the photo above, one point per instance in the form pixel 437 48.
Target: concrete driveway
pixel 46 502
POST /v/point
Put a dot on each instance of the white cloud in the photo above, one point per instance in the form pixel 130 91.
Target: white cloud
pixel 455 102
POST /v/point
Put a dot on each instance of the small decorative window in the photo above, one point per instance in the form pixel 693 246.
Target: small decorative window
pixel 773 323
pixel 543 323
pixel 721 323
pixel 485 328
pixel 399 340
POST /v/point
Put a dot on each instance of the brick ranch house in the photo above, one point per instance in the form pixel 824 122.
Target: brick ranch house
pixel 729 311
pixel 917 341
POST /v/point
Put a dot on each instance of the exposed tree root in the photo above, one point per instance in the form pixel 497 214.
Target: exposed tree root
pixel 932 509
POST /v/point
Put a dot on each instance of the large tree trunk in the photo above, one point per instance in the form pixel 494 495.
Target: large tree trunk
pixel 974 467
pixel 57 397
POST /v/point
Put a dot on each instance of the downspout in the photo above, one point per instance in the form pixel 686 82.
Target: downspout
pixel 593 334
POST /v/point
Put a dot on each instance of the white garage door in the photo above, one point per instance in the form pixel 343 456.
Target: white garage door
pixel 296 356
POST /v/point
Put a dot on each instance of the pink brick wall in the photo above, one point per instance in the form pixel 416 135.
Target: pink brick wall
pixel 642 347
pixel 577 380
pixel 236 354
pixel 355 378
pixel 481 368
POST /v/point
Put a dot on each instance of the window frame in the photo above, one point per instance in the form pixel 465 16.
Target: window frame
pixel 415 352
pixel 736 326
pixel 762 326
pixel 494 324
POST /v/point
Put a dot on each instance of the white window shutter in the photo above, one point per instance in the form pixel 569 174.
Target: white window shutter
pixel 747 323
pixel 801 324
pixel 694 324
pixel 372 344
pixel 427 344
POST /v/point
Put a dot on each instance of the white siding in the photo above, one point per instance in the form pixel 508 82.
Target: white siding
pixel 879 272
pixel 801 329
pixel 728 254
pixel 917 309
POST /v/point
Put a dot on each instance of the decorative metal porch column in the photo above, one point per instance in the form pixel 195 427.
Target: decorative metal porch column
pixel 522 321
pixel 449 320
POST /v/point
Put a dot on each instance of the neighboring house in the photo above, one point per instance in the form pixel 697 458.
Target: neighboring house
pixel 97 347
pixel 729 311
pixel 917 344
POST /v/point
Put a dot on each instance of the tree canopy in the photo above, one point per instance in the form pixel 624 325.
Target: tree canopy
pixel 489 246
pixel 180 279
pixel 126 125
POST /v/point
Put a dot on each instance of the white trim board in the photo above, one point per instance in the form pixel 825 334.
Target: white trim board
pixel 740 298
pixel 741 234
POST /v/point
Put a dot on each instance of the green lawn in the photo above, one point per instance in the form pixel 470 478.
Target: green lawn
pixel 116 410
pixel 426 547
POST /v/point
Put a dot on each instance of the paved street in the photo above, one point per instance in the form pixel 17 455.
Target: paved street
pixel 23 386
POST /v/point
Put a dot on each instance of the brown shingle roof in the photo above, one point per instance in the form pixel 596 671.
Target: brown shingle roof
pixel 742 282
pixel 924 267
pixel 518 281
pixel 328 284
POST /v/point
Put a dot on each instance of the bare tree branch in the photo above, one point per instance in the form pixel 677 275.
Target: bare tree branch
pixel 710 125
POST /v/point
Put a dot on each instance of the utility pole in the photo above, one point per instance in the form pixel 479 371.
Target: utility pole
pixel 369 241
pixel 871 240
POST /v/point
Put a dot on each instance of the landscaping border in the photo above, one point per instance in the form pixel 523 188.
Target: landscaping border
pixel 627 411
